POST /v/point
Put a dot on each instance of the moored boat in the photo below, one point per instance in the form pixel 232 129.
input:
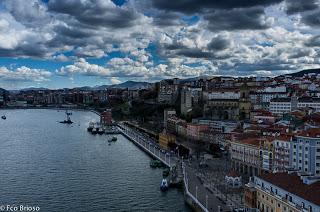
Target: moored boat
pixel 164 185
pixel 94 131
pixel 91 126
pixel 4 117
pixel 68 119
pixel 100 131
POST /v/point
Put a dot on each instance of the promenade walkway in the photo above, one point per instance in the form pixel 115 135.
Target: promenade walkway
pixel 149 146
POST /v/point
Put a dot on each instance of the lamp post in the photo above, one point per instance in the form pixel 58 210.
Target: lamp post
pixel 197 192
pixel 206 201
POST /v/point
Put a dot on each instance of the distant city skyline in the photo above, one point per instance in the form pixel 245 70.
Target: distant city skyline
pixel 73 43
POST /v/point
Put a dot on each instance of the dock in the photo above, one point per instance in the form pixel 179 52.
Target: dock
pixel 149 146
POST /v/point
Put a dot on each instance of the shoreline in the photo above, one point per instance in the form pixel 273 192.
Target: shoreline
pixel 52 108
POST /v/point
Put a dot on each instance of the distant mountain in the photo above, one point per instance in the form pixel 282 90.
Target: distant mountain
pixel 34 89
pixel 303 72
pixel 132 85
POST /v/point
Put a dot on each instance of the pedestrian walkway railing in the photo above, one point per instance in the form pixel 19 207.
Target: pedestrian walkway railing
pixel 147 146
pixel 185 179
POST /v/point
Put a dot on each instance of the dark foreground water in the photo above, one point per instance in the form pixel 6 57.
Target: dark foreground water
pixel 64 168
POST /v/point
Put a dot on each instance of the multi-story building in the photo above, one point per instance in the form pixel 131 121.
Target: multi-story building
pixel 280 192
pixel 305 152
pixel 266 154
pixel 261 98
pixel 186 101
pixel 280 106
pixel 193 130
pixel 245 155
pixel 166 140
pixel 166 114
pixel 282 153
pixel 106 116
pixel 228 104
pixel 168 91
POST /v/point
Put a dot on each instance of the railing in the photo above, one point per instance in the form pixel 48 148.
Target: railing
pixel 185 180
pixel 147 147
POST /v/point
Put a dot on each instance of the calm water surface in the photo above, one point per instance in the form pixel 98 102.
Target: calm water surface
pixel 64 168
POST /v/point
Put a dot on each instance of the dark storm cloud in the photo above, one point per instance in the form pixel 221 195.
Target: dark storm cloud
pixel 195 6
pixel 296 6
pixel 31 50
pixel 219 43
pixel 73 32
pixel 237 19
pixel 313 42
pixel 194 53
pixel 95 12
pixel 167 19
pixel 300 53
pixel 312 19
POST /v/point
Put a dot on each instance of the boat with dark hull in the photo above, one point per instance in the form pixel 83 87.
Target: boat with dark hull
pixel 100 131
pixel 4 117
pixel 94 131
pixel 91 126
pixel 68 119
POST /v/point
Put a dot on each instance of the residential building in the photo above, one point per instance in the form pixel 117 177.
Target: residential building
pixel 166 140
pixel 193 130
pixel 106 116
pixel 282 153
pixel 245 155
pixel 186 101
pixel 167 113
pixel 305 152
pixel 279 192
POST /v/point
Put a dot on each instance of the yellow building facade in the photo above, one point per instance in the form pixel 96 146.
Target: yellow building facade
pixel 165 139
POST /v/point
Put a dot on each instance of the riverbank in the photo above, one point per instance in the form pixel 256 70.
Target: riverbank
pixel 52 108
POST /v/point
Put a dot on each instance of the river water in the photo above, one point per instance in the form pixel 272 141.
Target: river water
pixel 59 167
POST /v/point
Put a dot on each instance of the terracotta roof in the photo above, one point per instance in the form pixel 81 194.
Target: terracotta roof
pixel 312 132
pixel 293 184
pixel 233 174
pixel 284 137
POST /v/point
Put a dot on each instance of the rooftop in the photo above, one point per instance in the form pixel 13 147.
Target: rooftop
pixel 293 184
pixel 312 133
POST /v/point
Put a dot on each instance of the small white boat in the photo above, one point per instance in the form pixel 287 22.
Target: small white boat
pixel 164 185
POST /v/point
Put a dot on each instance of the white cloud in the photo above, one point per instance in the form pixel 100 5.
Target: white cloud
pixel 24 74
pixel 115 80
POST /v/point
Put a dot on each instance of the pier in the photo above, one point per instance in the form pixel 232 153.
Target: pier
pixel 149 146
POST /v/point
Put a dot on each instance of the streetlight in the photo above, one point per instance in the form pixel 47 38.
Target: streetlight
pixel 206 201
pixel 197 192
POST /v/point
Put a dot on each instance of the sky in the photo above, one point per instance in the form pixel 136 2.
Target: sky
pixel 71 43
